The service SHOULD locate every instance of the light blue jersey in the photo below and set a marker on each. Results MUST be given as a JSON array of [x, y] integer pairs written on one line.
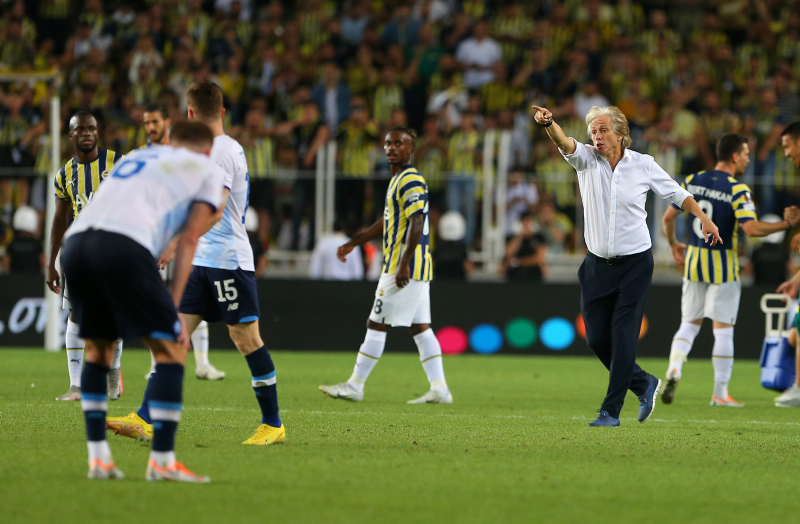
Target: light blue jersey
[[227, 246], [148, 194]]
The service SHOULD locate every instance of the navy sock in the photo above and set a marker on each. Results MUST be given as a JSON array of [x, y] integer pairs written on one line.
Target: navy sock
[[265, 385], [94, 400], [165, 404], [144, 410]]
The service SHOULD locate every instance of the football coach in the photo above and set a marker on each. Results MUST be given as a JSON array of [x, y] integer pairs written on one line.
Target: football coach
[[618, 267]]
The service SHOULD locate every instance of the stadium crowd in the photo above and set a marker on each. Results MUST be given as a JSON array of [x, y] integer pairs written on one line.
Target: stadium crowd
[[299, 74]]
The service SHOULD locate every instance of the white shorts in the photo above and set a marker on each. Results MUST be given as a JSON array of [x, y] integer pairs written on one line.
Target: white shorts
[[718, 302], [394, 306]]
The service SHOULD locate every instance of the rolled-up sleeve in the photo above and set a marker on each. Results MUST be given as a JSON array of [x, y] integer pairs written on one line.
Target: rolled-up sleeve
[[665, 186], [580, 158]]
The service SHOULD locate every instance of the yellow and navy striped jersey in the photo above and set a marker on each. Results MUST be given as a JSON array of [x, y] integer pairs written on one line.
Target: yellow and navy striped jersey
[[407, 195], [77, 181], [728, 203]]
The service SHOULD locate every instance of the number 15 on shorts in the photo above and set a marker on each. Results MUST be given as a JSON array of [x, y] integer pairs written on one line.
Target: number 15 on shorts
[[225, 290]]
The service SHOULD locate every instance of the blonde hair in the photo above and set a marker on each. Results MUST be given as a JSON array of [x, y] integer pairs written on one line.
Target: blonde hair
[[618, 122]]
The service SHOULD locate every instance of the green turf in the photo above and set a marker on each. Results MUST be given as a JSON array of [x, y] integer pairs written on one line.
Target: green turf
[[514, 447]]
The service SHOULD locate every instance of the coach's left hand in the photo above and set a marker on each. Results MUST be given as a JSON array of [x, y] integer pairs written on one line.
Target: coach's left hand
[[402, 276]]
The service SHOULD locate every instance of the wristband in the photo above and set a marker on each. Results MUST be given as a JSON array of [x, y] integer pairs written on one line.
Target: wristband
[[548, 124]]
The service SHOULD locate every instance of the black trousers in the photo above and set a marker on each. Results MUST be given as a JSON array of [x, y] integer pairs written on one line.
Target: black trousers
[[613, 294]]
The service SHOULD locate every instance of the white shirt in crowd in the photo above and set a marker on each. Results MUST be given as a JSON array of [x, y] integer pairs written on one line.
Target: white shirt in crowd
[[584, 103], [485, 53], [148, 194], [613, 201], [325, 265], [520, 198]]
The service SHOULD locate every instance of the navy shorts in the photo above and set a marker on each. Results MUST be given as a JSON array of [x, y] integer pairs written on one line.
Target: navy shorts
[[221, 294], [115, 288]]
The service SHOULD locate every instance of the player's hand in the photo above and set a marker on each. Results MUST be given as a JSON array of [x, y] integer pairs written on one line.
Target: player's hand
[[678, 252], [402, 276], [710, 228], [343, 251], [542, 115], [791, 214], [53, 280], [795, 245], [789, 287], [167, 256], [183, 337]]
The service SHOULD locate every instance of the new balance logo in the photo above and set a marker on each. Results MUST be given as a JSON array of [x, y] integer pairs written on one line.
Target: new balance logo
[[233, 307]]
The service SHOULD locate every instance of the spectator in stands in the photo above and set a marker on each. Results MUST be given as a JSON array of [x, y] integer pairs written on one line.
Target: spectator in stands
[[477, 55], [464, 149], [25, 254], [430, 157], [554, 227], [402, 29], [15, 122], [251, 224], [388, 96], [326, 266], [525, 253], [358, 139], [521, 198], [450, 259], [332, 96]]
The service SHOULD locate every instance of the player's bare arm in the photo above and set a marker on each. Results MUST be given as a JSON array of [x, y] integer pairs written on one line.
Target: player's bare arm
[[755, 228], [668, 223], [169, 253], [709, 228], [416, 224], [57, 229], [374, 231], [199, 215], [544, 117]]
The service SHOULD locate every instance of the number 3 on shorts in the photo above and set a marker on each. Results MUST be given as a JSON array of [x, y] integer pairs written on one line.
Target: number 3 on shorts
[[229, 293], [378, 306]]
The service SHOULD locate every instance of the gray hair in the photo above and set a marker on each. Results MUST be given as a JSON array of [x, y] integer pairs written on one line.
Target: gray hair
[[618, 122]]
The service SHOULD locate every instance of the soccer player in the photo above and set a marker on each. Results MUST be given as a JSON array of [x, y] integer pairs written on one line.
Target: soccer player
[[110, 261], [790, 140], [75, 185], [403, 294], [711, 285], [157, 123]]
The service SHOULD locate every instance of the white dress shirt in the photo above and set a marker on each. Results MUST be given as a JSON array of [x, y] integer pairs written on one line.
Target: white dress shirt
[[613, 201]]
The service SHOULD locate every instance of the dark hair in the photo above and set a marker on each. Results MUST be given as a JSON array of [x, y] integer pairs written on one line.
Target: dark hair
[[161, 108], [205, 99], [792, 130], [408, 131], [729, 145], [191, 132], [80, 114]]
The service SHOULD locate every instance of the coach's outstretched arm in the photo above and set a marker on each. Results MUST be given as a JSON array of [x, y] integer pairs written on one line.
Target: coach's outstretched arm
[[544, 118], [374, 231], [199, 215], [57, 229]]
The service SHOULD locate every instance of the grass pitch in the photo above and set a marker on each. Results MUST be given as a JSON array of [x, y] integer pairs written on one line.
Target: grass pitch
[[514, 447]]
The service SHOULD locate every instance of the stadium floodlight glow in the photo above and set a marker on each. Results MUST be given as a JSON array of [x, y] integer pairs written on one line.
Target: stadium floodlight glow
[[52, 331]]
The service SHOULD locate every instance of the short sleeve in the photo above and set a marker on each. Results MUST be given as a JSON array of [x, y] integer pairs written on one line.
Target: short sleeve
[[210, 190], [580, 158], [665, 186], [59, 186], [413, 194], [231, 163], [742, 203]]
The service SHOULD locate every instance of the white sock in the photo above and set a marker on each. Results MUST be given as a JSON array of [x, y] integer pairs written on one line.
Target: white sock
[[722, 358], [430, 354], [99, 450], [368, 355], [74, 345], [116, 360], [163, 459], [200, 344], [681, 346]]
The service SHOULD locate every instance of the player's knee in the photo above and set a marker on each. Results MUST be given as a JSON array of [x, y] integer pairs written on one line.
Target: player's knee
[[375, 326], [416, 329], [246, 337]]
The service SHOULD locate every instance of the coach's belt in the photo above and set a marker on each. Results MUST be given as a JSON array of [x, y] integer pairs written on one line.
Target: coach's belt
[[613, 261]]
